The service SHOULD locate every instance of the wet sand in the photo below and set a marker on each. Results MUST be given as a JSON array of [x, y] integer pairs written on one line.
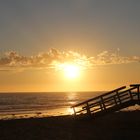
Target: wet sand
[[117, 126]]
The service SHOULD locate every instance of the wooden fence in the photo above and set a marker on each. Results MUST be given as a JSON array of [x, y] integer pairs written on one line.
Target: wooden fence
[[109, 102]]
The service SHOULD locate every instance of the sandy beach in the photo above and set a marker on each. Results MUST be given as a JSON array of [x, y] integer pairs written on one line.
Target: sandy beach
[[117, 126]]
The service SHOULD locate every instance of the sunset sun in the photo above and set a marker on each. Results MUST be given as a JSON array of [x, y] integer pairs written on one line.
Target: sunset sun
[[71, 71]]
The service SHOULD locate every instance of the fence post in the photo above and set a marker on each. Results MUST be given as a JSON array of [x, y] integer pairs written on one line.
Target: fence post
[[88, 109], [115, 99], [138, 90], [130, 95], [102, 101], [118, 97], [101, 106], [74, 111]]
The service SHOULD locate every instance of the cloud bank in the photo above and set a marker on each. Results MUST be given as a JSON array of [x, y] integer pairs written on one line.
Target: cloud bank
[[49, 60]]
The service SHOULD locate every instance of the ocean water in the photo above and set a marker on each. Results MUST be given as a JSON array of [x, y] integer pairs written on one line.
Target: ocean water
[[24, 105]]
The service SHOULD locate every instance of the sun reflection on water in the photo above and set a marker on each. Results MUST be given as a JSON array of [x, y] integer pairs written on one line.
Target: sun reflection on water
[[70, 111]]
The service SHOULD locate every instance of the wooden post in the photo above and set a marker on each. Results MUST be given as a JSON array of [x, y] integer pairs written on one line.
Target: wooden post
[[115, 100], [130, 95], [88, 109], [138, 90], [101, 106], [102, 101], [118, 97], [74, 112]]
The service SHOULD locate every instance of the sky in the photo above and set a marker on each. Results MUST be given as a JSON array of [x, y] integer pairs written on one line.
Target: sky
[[40, 38]]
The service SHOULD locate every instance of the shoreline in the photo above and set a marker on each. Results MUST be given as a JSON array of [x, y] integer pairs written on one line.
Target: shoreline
[[48, 113], [35, 114]]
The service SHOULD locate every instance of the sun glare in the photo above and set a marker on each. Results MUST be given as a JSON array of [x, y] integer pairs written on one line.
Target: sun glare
[[71, 71]]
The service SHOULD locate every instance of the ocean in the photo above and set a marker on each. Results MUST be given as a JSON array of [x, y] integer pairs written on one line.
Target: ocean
[[25, 105]]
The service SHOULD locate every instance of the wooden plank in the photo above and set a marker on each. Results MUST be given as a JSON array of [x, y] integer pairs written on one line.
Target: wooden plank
[[110, 104], [80, 111], [74, 111], [123, 87], [109, 101], [88, 110], [92, 105], [138, 89], [127, 90], [118, 97], [95, 98], [130, 93], [123, 95], [115, 100], [102, 102], [101, 107], [125, 99], [133, 85], [96, 109]]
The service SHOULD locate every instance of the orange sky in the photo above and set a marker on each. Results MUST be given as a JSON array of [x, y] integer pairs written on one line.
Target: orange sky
[[99, 73], [39, 38]]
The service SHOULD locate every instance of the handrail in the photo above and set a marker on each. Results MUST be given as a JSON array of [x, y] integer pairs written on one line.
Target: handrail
[[118, 89], [134, 85], [128, 90], [107, 100]]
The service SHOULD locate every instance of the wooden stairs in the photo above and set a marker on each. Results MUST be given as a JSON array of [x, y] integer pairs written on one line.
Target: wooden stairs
[[108, 102]]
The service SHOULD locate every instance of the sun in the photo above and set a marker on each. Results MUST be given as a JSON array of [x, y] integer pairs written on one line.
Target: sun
[[71, 71]]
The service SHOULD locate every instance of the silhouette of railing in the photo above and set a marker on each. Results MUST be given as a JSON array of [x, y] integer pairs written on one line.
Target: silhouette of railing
[[109, 102]]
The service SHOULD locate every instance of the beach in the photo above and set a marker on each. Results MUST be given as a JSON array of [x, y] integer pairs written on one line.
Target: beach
[[69, 69], [116, 126]]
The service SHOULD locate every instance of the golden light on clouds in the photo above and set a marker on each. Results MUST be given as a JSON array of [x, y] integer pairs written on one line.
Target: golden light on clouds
[[49, 60]]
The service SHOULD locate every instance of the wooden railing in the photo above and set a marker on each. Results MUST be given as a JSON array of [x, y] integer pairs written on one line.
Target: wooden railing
[[108, 101], [138, 89]]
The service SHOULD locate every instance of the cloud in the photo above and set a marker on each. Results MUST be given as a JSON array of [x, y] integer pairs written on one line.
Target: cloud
[[49, 60], [108, 58]]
